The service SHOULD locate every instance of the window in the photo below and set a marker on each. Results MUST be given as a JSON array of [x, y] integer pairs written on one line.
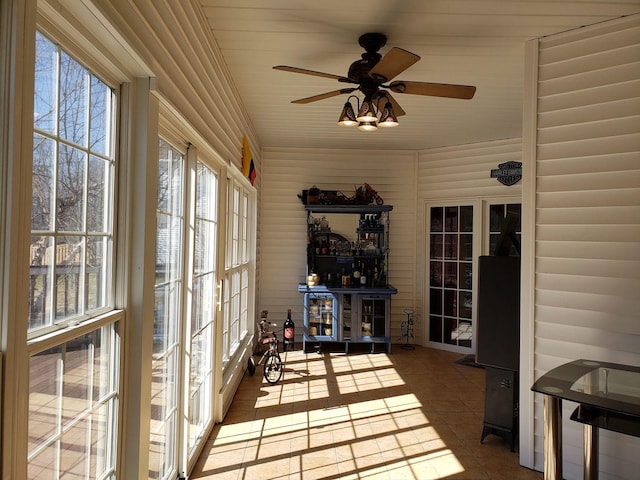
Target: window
[[505, 226], [72, 199], [73, 396], [73, 408], [239, 268]]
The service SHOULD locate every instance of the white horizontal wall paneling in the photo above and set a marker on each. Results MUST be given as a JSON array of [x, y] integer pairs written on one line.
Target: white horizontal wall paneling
[[286, 173], [172, 38], [588, 216], [465, 170]]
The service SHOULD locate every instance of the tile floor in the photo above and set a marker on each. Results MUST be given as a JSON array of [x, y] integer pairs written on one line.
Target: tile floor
[[412, 414]]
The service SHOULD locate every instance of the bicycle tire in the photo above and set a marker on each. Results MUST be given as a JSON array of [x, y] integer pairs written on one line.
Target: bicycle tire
[[251, 366], [273, 369]]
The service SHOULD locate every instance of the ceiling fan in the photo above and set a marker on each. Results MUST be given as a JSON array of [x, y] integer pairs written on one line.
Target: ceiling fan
[[371, 73]]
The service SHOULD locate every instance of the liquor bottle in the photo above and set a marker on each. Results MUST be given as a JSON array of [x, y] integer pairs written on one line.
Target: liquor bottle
[[376, 280], [289, 332], [363, 277]]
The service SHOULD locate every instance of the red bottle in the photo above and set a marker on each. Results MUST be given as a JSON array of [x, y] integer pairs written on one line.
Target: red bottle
[[289, 331]]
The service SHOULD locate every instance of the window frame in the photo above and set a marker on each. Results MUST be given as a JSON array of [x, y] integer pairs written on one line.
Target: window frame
[[239, 260], [75, 328], [110, 201]]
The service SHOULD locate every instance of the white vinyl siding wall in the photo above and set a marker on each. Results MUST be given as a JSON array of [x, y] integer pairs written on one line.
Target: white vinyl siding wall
[[587, 219], [283, 224]]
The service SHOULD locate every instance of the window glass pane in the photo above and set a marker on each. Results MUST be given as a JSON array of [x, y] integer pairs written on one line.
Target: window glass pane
[[170, 178], [97, 212], [235, 227], [466, 219], [45, 396], [45, 108], [68, 286], [74, 111], [466, 246], [436, 247], [41, 281], [72, 408], [101, 119], [466, 276], [70, 189], [71, 221], [451, 219], [514, 209], [436, 274], [42, 183], [505, 227], [451, 246], [496, 214], [245, 227], [200, 401], [437, 219], [96, 273]]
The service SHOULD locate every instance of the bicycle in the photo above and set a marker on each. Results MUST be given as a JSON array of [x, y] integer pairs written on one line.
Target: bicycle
[[273, 366]]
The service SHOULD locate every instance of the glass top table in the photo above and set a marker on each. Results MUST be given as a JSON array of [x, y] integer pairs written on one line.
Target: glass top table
[[608, 395]]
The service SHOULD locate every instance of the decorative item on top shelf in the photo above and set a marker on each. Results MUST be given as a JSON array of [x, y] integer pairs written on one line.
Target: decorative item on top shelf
[[363, 195]]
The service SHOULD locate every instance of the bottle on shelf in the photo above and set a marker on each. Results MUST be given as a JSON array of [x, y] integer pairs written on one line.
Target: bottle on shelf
[[289, 332]]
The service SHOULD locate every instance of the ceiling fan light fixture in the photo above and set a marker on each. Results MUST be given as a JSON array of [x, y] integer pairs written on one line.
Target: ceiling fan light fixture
[[367, 126], [367, 112], [348, 116], [388, 117]]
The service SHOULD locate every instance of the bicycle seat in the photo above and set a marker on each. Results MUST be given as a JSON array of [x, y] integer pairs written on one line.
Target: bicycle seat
[[268, 340]]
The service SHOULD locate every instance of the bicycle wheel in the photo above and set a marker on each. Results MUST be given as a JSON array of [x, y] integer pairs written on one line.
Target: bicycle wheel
[[251, 366], [273, 368]]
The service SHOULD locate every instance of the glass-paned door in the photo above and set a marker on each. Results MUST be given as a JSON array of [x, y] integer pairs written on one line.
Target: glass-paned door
[[346, 305], [203, 307], [185, 311], [450, 254], [169, 286], [374, 315], [321, 310]]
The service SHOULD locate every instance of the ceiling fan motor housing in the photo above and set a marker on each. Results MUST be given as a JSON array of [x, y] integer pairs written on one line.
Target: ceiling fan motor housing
[[359, 70]]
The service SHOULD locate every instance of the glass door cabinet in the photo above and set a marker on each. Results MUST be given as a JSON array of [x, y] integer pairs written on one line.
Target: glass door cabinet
[[321, 310]]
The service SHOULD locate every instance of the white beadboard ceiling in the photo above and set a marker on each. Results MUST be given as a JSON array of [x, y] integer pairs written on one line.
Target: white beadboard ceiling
[[476, 42]]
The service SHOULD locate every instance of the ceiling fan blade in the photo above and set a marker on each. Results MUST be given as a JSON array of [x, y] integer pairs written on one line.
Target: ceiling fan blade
[[304, 71], [396, 61], [464, 92], [396, 106], [322, 96]]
